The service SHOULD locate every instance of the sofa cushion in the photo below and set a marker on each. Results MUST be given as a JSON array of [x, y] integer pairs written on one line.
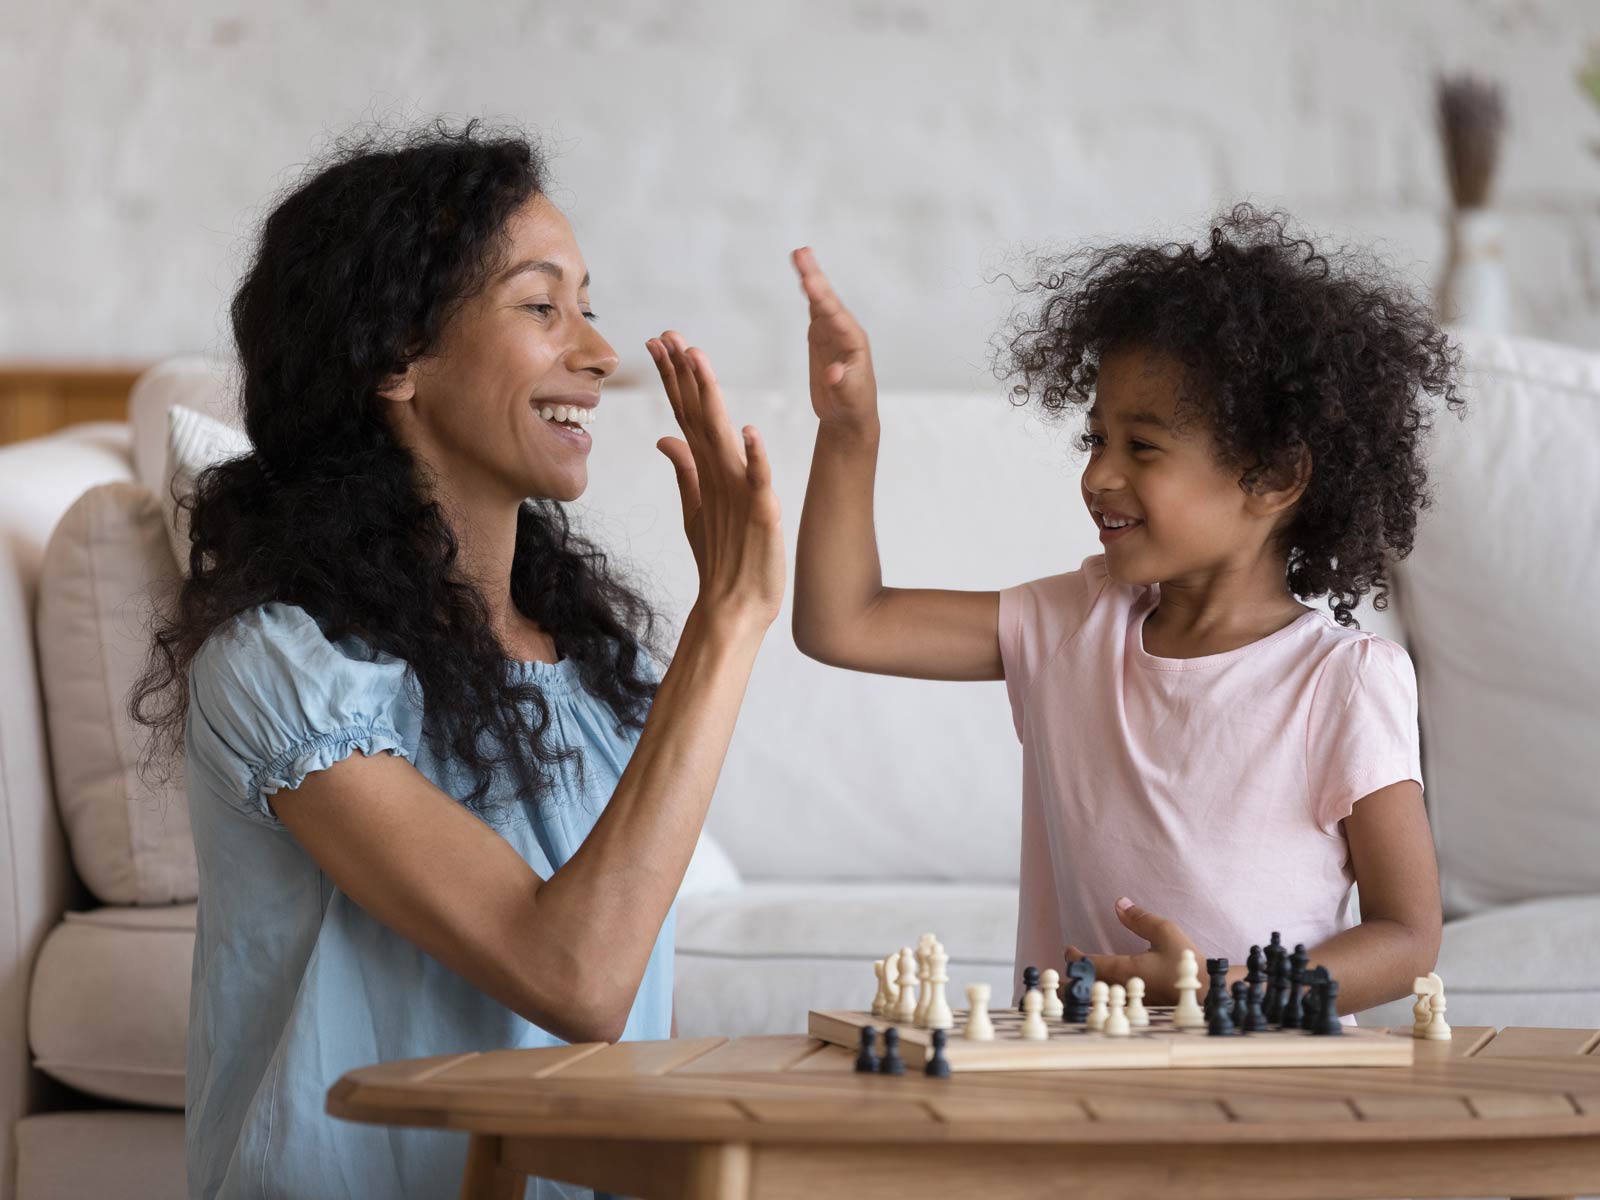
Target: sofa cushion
[[108, 1011], [73, 1155], [195, 441], [756, 962], [1507, 655], [192, 381], [108, 563]]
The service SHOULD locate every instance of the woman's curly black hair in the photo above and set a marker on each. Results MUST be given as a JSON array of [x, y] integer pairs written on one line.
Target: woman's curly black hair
[[358, 269], [1285, 350]]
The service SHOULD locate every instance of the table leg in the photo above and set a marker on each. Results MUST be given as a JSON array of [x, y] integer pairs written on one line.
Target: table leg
[[485, 1178], [652, 1170]]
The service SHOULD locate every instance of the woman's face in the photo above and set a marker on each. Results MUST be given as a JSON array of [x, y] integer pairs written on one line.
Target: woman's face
[[520, 352]]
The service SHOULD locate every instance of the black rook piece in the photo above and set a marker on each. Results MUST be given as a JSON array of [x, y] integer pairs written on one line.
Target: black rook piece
[[867, 1060], [938, 1066], [1219, 1023], [891, 1063]]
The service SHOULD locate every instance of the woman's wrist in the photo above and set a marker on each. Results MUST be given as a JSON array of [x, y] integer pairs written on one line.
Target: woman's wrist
[[725, 623]]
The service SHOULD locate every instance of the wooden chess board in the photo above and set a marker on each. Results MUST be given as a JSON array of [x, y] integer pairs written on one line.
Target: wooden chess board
[[1160, 1044]]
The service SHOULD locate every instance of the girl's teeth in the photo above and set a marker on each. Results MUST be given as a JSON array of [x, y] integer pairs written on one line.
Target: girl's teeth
[[547, 412]]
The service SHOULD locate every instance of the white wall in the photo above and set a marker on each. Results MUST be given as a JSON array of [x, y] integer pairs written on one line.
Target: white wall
[[916, 144]]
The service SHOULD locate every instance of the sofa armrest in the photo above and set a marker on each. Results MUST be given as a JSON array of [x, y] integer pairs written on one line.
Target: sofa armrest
[[39, 480]]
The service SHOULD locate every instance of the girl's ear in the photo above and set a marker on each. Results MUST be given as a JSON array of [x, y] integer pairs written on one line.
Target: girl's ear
[[1281, 489]]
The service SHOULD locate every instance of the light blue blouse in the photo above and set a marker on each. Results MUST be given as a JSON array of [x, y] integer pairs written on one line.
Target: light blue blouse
[[293, 983]]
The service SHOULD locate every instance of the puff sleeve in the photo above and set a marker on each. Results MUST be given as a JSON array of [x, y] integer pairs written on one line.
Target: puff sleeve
[[1363, 731]]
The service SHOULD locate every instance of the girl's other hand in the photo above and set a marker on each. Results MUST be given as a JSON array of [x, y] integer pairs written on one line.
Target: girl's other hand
[[843, 389], [1157, 966], [730, 511]]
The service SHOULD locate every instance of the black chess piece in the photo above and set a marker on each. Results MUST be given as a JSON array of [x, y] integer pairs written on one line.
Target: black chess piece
[[1205, 1005], [867, 1060], [1240, 1005], [1030, 980], [1293, 1015], [1316, 999], [1255, 1021], [1328, 1023], [1079, 992], [1255, 966], [1219, 1022], [1277, 975], [1217, 993], [891, 1063], [938, 1067]]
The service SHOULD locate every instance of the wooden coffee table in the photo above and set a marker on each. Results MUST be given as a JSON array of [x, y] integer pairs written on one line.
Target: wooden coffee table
[[1515, 1113]]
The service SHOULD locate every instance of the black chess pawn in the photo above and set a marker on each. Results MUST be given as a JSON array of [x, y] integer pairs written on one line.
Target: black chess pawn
[[938, 1066], [1255, 966], [867, 1060], [1240, 1006], [1328, 1023], [1255, 1021], [1277, 975], [1205, 1005], [1078, 992], [1316, 998], [1030, 980], [1290, 1013], [891, 1063]]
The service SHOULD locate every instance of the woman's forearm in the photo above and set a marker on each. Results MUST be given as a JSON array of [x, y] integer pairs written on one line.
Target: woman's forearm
[[838, 575], [604, 908]]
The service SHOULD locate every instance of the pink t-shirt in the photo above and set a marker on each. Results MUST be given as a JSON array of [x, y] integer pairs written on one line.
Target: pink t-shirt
[[1209, 790]]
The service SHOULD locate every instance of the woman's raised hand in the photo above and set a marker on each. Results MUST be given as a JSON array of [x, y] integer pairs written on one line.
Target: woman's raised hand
[[730, 512], [843, 389]]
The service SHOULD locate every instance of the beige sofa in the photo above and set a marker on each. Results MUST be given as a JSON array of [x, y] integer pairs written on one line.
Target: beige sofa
[[856, 812]]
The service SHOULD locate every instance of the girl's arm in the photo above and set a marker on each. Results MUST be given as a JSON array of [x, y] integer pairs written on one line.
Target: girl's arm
[[568, 952], [843, 614], [1398, 938]]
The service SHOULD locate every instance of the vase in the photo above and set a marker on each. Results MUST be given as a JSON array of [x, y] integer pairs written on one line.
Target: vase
[[1473, 292]]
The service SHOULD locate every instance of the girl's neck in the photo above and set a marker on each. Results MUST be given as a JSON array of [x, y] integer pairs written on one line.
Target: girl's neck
[[1219, 612]]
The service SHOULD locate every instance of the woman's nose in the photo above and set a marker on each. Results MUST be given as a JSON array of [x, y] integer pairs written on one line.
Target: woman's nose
[[593, 353]]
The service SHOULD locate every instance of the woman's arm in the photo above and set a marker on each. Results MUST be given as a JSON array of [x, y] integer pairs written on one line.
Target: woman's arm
[[843, 615], [568, 953], [1398, 877]]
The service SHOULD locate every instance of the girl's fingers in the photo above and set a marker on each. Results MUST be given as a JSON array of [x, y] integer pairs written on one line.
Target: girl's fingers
[[824, 302]]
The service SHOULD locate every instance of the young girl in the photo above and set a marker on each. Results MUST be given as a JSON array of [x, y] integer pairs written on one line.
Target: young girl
[[1206, 759]]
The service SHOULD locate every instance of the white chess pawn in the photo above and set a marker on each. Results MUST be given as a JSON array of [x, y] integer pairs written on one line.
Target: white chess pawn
[[1050, 985], [1098, 995], [936, 1013], [1116, 1022], [979, 1027], [1138, 1015], [879, 998], [1033, 1027], [891, 988], [1188, 1014], [905, 1008]]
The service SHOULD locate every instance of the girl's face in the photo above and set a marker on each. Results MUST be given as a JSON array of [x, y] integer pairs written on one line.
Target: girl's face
[[524, 345], [1166, 507]]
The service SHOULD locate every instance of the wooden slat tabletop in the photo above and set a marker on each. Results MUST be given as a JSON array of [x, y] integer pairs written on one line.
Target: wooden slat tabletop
[[1516, 1083]]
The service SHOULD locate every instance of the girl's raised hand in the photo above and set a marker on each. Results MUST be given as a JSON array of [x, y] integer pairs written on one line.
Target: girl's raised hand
[[1157, 966], [730, 512], [842, 385]]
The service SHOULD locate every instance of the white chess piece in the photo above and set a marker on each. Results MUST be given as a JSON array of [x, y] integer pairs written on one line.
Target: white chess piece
[[925, 946], [1421, 1011], [891, 988], [1033, 1027], [1138, 1015], [936, 1013], [1188, 1014], [1116, 1021], [1050, 985], [905, 1008], [879, 998], [1098, 995], [1438, 1029], [979, 1027]]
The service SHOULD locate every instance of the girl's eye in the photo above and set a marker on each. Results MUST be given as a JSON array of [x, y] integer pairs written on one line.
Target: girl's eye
[[1090, 441], [1138, 446]]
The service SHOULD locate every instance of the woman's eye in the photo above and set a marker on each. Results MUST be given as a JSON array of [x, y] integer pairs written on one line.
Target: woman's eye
[[543, 310], [590, 315]]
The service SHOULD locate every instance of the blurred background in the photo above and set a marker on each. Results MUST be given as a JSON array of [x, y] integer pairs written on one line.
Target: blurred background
[[922, 148]]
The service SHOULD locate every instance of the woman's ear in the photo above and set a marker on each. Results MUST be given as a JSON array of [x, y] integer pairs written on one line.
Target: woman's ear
[[401, 386]]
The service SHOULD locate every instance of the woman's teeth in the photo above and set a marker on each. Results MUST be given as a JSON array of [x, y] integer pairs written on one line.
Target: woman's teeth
[[1117, 522], [564, 414]]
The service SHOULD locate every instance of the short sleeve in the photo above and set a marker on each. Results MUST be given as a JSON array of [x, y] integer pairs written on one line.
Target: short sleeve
[[1035, 619], [1363, 728], [271, 700]]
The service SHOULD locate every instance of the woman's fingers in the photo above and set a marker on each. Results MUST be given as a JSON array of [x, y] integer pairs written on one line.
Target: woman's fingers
[[714, 413], [682, 459], [661, 355], [758, 467]]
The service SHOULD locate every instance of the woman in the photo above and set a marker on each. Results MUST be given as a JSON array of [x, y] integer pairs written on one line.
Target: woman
[[441, 800]]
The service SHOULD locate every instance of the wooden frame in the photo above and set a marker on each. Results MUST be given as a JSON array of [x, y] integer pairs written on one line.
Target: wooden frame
[[40, 398]]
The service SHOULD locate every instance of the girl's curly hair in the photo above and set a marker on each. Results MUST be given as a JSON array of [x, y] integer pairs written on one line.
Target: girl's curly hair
[[1285, 350], [358, 270]]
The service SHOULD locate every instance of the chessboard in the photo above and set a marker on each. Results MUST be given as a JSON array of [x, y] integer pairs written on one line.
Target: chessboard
[[1159, 1044]]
